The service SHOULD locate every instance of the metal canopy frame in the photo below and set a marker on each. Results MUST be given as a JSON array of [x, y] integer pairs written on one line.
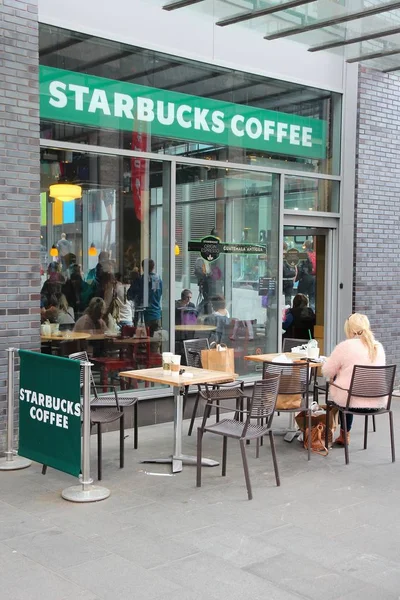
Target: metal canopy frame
[[180, 4], [392, 69], [360, 14], [262, 12], [360, 38], [372, 55]]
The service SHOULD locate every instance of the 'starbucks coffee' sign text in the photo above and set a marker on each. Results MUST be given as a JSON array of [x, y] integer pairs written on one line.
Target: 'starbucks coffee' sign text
[[50, 411], [107, 103]]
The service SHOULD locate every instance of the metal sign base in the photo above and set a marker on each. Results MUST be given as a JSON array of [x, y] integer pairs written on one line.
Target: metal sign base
[[94, 493], [17, 462]]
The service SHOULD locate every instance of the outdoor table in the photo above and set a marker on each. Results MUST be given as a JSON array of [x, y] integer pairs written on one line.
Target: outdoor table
[[296, 358], [178, 382]]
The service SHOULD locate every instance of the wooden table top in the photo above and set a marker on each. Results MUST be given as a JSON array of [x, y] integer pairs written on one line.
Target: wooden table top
[[195, 327], [199, 376], [294, 356], [64, 335]]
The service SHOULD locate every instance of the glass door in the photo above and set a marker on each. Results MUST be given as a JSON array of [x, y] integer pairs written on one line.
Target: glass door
[[227, 256], [306, 281]]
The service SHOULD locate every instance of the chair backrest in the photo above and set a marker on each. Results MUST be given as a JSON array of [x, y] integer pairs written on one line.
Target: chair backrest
[[372, 382], [263, 400], [294, 376], [82, 356], [193, 350], [289, 343]]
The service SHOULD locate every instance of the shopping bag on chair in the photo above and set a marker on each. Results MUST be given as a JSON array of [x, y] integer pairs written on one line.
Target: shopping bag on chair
[[219, 358], [287, 401]]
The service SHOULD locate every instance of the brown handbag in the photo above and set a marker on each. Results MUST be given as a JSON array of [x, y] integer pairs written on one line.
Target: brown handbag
[[317, 439]]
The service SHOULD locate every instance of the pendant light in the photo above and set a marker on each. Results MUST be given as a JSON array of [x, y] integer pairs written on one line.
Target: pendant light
[[65, 191], [92, 250]]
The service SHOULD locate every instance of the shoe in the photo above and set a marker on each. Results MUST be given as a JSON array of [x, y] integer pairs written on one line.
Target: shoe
[[340, 439]]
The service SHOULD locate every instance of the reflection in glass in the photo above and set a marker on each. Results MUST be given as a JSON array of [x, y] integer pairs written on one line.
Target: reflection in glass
[[233, 293], [106, 289]]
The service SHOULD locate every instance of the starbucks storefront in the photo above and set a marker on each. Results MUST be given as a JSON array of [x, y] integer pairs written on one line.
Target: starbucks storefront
[[204, 170]]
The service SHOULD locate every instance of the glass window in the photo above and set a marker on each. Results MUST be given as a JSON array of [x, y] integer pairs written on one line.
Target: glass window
[[105, 259], [231, 276], [311, 194], [294, 104]]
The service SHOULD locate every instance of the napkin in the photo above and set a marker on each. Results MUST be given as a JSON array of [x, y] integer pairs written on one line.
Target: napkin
[[282, 358]]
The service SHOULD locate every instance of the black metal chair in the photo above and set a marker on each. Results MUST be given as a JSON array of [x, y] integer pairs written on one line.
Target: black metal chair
[[289, 343], [294, 382], [366, 382], [108, 408], [261, 407], [226, 391]]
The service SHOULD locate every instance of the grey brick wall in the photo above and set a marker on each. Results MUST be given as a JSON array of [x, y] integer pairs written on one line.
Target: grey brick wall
[[377, 216], [19, 184]]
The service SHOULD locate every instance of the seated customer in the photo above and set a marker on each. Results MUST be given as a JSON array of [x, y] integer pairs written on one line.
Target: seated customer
[[66, 316], [220, 316], [299, 320], [185, 311], [92, 320], [360, 348]]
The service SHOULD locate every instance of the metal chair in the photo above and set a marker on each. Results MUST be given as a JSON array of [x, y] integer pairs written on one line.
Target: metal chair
[[261, 407], [289, 343], [108, 408], [294, 382], [367, 382], [228, 391]]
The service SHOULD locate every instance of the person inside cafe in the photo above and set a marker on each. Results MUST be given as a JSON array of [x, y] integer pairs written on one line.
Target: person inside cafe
[[220, 316], [53, 284], [77, 291], [185, 310], [92, 321], [360, 348], [125, 306], [288, 276], [299, 320], [66, 315]]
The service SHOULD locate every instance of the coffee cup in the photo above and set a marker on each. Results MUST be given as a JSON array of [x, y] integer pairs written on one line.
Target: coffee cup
[[312, 352], [166, 362], [175, 364]]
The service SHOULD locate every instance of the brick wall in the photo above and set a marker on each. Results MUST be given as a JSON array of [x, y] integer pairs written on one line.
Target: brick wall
[[377, 217], [19, 184]]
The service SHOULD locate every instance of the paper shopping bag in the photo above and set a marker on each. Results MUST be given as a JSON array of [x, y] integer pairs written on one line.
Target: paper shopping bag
[[217, 360]]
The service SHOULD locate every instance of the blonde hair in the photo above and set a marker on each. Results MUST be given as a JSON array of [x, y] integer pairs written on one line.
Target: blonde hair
[[357, 325]]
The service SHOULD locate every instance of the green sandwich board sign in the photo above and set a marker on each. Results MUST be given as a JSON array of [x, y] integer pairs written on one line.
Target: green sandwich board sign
[[107, 103], [50, 411]]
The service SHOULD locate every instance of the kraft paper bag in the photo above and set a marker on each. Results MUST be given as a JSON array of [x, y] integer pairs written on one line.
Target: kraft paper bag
[[216, 360]]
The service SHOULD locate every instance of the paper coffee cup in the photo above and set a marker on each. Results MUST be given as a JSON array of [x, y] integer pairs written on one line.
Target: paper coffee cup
[[312, 352]]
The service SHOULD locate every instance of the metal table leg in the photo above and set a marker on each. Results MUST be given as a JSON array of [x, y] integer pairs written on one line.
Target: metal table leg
[[178, 459]]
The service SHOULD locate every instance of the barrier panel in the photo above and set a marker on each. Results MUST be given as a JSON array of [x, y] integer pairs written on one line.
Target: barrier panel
[[51, 416]]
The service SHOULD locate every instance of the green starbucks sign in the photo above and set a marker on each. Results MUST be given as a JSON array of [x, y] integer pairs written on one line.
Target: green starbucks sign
[[50, 411], [108, 103]]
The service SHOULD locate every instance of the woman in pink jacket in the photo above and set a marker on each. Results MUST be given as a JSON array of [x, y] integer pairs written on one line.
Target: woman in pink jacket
[[360, 348]]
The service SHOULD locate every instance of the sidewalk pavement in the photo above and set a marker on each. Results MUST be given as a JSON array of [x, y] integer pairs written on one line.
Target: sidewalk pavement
[[330, 531]]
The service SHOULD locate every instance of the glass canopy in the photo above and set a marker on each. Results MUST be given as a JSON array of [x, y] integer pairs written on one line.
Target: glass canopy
[[365, 31]]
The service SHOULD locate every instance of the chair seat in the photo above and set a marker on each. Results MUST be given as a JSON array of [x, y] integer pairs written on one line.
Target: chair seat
[[234, 429], [359, 411], [109, 400], [224, 394], [105, 416]]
